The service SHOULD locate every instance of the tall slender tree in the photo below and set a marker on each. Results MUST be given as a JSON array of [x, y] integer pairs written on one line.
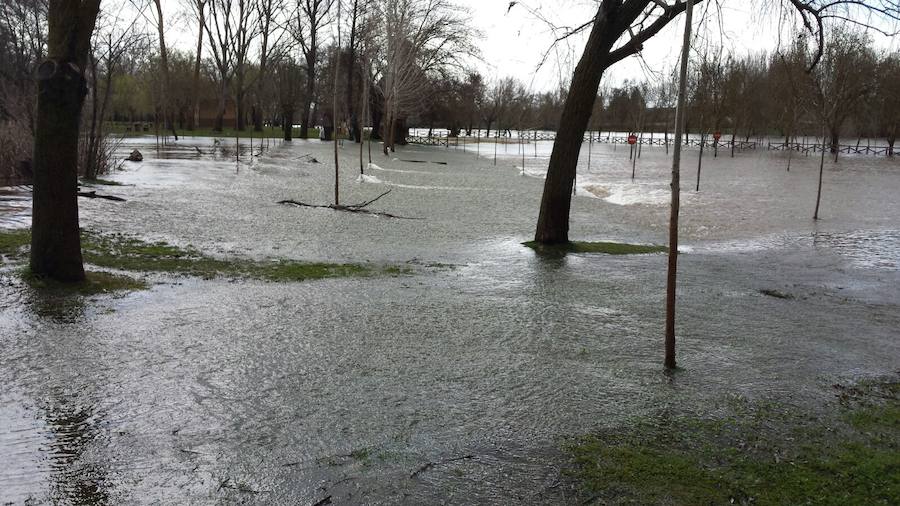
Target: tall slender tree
[[672, 267]]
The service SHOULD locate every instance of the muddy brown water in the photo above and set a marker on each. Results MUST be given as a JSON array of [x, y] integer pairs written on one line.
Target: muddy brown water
[[481, 362]]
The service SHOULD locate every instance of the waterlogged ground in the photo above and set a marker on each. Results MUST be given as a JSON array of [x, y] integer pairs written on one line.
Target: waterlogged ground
[[458, 382]]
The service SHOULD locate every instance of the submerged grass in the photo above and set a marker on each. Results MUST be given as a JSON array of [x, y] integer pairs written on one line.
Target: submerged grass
[[609, 248], [95, 283], [100, 182], [115, 251], [757, 454], [13, 242]]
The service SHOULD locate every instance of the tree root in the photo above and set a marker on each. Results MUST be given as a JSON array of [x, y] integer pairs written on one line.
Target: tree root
[[429, 465]]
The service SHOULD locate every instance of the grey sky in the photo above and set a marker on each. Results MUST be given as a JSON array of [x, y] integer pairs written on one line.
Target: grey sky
[[513, 44]]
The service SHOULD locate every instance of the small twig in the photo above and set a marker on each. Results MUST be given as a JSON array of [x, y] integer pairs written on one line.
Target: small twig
[[429, 465], [323, 502], [364, 204]]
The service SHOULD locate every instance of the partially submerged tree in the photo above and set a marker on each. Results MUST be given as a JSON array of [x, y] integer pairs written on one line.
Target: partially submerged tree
[[618, 30], [887, 106], [55, 237]]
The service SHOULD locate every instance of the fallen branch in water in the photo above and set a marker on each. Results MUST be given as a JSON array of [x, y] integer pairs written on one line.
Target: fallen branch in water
[[307, 158], [95, 195], [323, 502], [350, 208], [429, 465], [423, 161]]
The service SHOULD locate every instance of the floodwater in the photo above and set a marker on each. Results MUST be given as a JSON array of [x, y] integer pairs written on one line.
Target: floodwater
[[480, 362]]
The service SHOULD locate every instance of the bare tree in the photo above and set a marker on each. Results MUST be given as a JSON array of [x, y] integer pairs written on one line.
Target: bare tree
[[199, 7], [267, 10], [672, 267], [310, 18], [168, 124], [842, 80], [110, 45], [220, 28], [420, 38], [246, 29]]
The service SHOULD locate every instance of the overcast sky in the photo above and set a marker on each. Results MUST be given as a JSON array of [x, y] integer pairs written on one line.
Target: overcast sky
[[514, 43]]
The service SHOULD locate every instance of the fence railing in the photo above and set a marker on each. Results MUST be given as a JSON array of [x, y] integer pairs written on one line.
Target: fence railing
[[529, 136]]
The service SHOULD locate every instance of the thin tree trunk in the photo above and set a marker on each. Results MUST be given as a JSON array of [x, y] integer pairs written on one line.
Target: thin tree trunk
[[821, 171], [334, 107], [287, 124], [672, 268], [195, 82], [700, 159], [91, 154], [168, 124]]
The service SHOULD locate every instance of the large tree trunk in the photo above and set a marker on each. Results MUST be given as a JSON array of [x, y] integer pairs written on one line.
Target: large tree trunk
[[553, 221], [55, 237]]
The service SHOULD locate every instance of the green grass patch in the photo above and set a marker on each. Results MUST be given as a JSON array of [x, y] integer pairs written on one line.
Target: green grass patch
[[753, 454], [121, 252], [131, 254], [13, 242], [95, 283], [609, 248]]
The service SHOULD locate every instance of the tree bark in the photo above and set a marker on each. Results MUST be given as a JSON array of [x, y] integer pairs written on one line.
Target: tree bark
[[55, 235], [672, 267], [553, 220]]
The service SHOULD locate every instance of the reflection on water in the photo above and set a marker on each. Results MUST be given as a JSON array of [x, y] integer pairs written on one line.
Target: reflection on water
[[15, 208], [878, 249], [77, 478]]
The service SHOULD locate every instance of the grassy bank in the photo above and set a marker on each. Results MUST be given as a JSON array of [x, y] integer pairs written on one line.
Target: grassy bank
[[609, 248], [127, 253], [756, 453]]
